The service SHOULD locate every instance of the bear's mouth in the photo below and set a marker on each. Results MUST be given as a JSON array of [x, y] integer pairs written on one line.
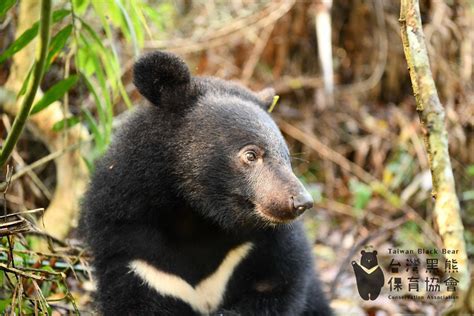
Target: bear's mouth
[[268, 216]]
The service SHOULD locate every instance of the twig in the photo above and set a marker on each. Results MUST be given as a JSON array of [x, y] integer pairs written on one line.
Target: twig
[[19, 160], [20, 120], [36, 210], [325, 151], [47, 158], [16, 271], [271, 13], [252, 62]]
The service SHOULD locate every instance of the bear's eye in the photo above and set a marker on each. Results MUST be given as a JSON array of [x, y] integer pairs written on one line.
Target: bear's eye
[[250, 156]]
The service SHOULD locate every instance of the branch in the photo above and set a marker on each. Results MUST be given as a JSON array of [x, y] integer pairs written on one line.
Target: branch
[[446, 211], [20, 120]]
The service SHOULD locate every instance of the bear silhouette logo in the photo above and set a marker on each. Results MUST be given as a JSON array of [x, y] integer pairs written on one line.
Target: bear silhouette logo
[[369, 275]]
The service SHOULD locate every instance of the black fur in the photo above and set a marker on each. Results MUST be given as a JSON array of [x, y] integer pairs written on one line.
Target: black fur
[[171, 191]]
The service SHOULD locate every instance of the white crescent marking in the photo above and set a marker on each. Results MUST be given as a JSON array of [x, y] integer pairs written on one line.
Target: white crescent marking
[[207, 295], [368, 271]]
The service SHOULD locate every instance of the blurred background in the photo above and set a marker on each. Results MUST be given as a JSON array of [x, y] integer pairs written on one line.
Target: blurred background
[[346, 109]]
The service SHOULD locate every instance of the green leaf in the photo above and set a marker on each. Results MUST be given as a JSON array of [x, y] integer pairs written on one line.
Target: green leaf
[[128, 26], [54, 93], [66, 123], [80, 6], [57, 43], [58, 15], [99, 141], [5, 5], [91, 32], [274, 102], [361, 193], [26, 81], [5, 303], [21, 42], [161, 15], [98, 102], [470, 170], [89, 164], [28, 35], [139, 21]]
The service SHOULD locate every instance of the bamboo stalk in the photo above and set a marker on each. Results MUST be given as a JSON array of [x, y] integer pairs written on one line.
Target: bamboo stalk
[[20, 120]]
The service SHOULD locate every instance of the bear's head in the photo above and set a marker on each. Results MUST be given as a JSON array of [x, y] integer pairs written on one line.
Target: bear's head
[[369, 259], [229, 158]]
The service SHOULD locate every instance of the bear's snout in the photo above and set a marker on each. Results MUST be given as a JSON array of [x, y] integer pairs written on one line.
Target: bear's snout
[[301, 202], [281, 197]]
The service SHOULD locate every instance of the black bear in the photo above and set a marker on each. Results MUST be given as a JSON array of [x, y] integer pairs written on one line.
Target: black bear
[[191, 209], [369, 275]]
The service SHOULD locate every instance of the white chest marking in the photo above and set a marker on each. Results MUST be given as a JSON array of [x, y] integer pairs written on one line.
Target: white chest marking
[[207, 295], [368, 271]]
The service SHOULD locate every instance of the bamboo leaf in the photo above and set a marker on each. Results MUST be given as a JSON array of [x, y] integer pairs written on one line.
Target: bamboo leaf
[[90, 166], [58, 15], [128, 25], [99, 140], [5, 5], [27, 36], [26, 81], [54, 93], [80, 6], [66, 123], [21, 42], [91, 32], [57, 43], [98, 103]]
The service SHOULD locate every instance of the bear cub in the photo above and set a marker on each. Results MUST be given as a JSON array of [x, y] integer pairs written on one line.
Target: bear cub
[[191, 211]]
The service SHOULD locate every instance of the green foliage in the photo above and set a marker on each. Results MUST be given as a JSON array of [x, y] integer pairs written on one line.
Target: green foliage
[[92, 44], [361, 194], [57, 44], [98, 65], [80, 6], [26, 82], [66, 123], [5, 5], [316, 192], [20, 43], [54, 93], [161, 15], [399, 170], [410, 236], [27, 36], [53, 286], [470, 170]]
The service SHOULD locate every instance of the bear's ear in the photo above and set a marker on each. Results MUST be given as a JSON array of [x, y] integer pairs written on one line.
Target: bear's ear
[[161, 77], [375, 252], [362, 252], [266, 97]]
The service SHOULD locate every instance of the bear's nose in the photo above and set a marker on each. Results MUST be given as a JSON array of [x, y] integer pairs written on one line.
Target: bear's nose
[[302, 202]]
